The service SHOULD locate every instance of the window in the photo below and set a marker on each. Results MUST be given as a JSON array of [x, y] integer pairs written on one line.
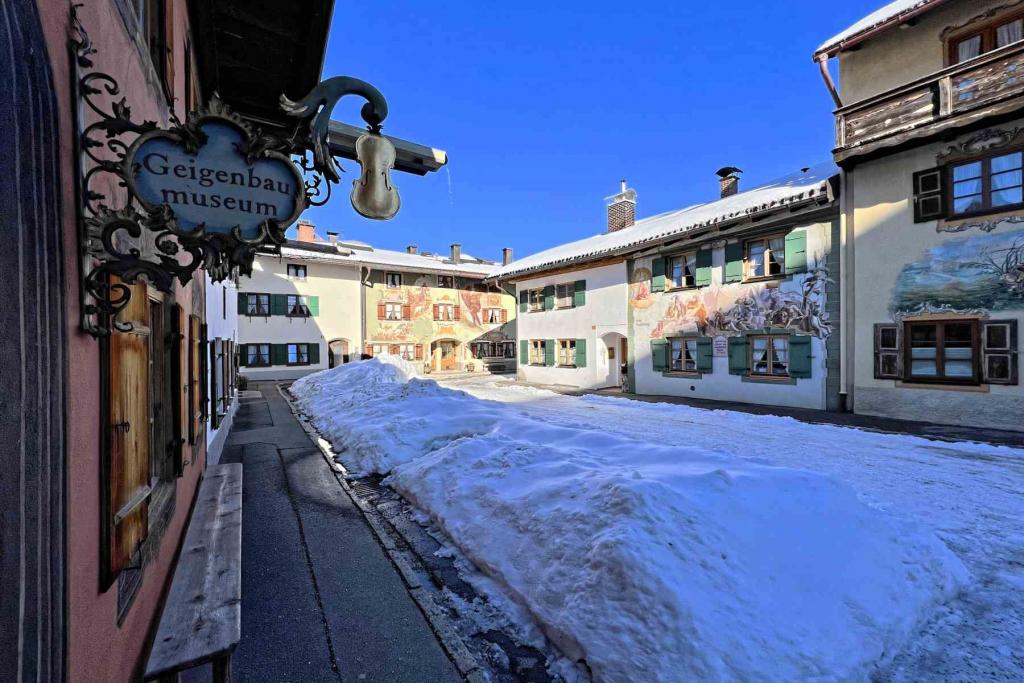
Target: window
[[257, 304], [999, 345], [392, 311], [887, 352], [566, 352], [989, 184], [298, 354], [494, 316], [769, 356], [683, 354], [487, 349], [393, 280], [378, 349], [537, 352], [536, 300], [298, 306], [766, 257], [942, 351], [446, 281], [682, 270], [159, 41], [564, 295], [257, 355], [296, 271], [510, 349], [995, 35], [445, 312]]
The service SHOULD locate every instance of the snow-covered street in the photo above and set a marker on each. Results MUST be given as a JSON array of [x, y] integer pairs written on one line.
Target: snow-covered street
[[659, 541]]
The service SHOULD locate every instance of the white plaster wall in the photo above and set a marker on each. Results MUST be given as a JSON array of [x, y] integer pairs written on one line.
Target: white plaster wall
[[221, 323], [604, 312], [340, 315]]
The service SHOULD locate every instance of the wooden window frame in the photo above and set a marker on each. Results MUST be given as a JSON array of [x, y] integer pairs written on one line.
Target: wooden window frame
[[298, 361], [258, 296], [940, 355], [388, 307], [535, 300], [492, 309], [670, 362], [537, 349], [442, 279], [297, 267], [445, 312], [747, 276], [1009, 352], [566, 347], [301, 304], [670, 283], [387, 279], [771, 347], [986, 183], [570, 288], [249, 363], [987, 31]]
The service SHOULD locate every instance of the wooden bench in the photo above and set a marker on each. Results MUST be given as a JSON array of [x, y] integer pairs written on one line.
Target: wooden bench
[[202, 619]]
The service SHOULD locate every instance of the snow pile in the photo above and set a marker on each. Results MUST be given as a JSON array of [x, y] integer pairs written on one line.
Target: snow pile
[[649, 562]]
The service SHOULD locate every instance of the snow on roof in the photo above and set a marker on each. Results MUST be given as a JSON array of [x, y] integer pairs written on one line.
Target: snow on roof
[[384, 257], [891, 13], [772, 195]]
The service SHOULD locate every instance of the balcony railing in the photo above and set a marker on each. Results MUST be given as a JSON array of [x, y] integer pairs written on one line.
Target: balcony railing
[[956, 96]]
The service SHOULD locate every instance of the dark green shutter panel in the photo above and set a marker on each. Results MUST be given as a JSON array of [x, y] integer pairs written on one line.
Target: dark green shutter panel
[[524, 352], [549, 297], [703, 267], [243, 303], [580, 293], [243, 355], [658, 275], [705, 355], [734, 262], [314, 353], [737, 355], [314, 305], [659, 354], [278, 304], [279, 354], [581, 353], [524, 301], [549, 352], [800, 356], [796, 252]]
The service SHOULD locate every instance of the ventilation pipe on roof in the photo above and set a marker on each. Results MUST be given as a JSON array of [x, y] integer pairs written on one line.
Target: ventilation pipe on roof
[[456, 253], [332, 237], [621, 208], [506, 256], [411, 249]]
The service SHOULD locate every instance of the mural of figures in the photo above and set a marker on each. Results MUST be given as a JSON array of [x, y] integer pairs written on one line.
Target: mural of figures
[[640, 289], [983, 272]]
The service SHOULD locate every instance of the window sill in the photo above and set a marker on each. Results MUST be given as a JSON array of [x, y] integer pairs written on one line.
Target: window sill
[[765, 279], [682, 374], [684, 289], [567, 367], [769, 379], [942, 386]]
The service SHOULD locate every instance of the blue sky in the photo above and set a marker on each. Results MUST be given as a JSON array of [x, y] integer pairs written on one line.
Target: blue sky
[[543, 107]]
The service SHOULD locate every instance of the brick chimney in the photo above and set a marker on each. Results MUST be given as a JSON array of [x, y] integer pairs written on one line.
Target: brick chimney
[[456, 253], [307, 231], [332, 237], [506, 256], [411, 249], [621, 208], [728, 181]]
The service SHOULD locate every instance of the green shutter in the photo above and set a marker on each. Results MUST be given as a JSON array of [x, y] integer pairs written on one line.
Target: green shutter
[[799, 356], [734, 262], [659, 354], [243, 354], [703, 267], [314, 353], [524, 352], [581, 353], [658, 274], [549, 297], [737, 355], [279, 354], [314, 305], [278, 304], [705, 355], [549, 352], [524, 300], [796, 252], [243, 303], [580, 294]]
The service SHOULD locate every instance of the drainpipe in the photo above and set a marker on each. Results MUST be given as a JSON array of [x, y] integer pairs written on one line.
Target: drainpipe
[[846, 229], [829, 83]]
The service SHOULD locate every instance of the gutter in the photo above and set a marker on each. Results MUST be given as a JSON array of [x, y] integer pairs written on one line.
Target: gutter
[[854, 40]]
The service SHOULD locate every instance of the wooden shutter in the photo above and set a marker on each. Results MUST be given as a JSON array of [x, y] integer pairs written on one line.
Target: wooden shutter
[[243, 303], [524, 352], [504, 316], [796, 252], [182, 386], [314, 305], [888, 356], [549, 352], [581, 353], [658, 274], [381, 311], [168, 48], [243, 355], [279, 354], [705, 355], [204, 369], [703, 278], [278, 304], [579, 293], [419, 352], [406, 312], [437, 311], [929, 195], [734, 262], [214, 393], [195, 377], [549, 297], [524, 301], [314, 354], [659, 355], [458, 313], [999, 352], [800, 355], [368, 350], [737, 355], [126, 436]]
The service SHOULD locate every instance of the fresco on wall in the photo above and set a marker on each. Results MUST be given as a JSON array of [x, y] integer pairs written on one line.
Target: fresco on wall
[[796, 305], [983, 272]]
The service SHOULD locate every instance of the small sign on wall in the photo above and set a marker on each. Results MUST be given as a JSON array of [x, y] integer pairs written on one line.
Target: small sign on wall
[[721, 347]]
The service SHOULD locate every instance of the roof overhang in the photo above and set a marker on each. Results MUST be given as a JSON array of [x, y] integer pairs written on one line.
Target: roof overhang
[[887, 23]]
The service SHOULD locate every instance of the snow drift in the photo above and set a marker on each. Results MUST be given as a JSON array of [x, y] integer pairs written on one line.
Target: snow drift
[[650, 562]]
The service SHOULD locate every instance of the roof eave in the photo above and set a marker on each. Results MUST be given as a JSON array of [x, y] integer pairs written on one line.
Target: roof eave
[[833, 49]]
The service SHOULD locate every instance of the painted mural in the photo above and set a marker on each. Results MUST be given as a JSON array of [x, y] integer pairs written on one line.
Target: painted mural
[[982, 272], [796, 305]]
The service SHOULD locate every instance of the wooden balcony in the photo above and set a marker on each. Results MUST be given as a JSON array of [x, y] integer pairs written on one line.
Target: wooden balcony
[[954, 98]]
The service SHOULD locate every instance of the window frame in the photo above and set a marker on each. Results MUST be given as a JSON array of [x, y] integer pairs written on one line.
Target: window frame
[[537, 353], [766, 239], [987, 32], [389, 275], [566, 348], [445, 312], [570, 289], [683, 370], [684, 256], [300, 300], [297, 267], [940, 377], [258, 314], [532, 305], [249, 363], [771, 360], [487, 315], [986, 183], [441, 279]]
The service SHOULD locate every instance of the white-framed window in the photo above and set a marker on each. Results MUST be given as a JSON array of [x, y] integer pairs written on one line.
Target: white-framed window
[[298, 354], [564, 292], [445, 312], [682, 270], [536, 299], [446, 281], [257, 355], [493, 316], [769, 356], [537, 352], [683, 354], [379, 349], [566, 349], [393, 280], [257, 304], [407, 351], [296, 271], [392, 311], [298, 306], [766, 256]]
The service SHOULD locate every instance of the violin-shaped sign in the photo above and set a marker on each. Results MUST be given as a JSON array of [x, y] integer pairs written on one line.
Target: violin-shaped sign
[[373, 195]]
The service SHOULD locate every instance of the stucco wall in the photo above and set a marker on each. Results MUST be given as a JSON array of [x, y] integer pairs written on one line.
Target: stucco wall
[[603, 315]]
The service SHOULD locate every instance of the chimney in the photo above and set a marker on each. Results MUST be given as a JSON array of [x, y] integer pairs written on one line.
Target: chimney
[[307, 231], [332, 237], [621, 208], [456, 253], [728, 181], [411, 249], [506, 256]]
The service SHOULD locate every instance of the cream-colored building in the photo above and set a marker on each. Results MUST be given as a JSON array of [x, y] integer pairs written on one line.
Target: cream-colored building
[[930, 137]]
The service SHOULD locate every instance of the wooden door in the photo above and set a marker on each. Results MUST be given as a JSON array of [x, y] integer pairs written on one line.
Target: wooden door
[[448, 358]]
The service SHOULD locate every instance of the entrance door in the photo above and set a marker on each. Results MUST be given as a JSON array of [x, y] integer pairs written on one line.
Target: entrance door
[[448, 359], [623, 362], [338, 353], [612, 378]]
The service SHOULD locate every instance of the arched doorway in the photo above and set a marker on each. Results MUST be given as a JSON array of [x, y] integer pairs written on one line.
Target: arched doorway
[[445, 355], [614, 359], [337, 352]]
